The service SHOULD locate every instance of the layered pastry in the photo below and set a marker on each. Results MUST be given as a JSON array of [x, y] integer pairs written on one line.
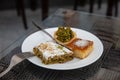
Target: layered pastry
[[50, 52], [64, 35], [81, 48]]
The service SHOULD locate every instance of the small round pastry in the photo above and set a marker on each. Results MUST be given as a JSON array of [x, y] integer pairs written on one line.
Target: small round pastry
[[64, 35]]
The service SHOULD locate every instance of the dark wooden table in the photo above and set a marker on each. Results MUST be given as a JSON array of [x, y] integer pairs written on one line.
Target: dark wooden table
[[106, 68]]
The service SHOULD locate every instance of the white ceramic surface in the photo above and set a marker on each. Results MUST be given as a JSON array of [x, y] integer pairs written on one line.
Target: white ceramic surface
[[39, 37]]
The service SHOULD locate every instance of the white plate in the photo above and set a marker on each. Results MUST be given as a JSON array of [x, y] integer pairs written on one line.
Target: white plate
[[39, 37]]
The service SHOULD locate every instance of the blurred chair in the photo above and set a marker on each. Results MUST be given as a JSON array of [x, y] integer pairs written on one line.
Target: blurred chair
[[110, 4], [91, 4], [99, 4], [21, 9], [33, 4], [45, 9]]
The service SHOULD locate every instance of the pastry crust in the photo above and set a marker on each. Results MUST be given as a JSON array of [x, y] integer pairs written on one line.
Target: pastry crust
[[65, 43], [81, 48], [51, 53]]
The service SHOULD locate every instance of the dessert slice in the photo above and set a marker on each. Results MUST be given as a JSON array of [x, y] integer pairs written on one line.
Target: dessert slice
[[50, 52], [64, 35], [81, 48]]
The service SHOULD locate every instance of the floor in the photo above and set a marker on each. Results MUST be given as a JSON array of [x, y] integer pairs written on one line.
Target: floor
[[11, 26]]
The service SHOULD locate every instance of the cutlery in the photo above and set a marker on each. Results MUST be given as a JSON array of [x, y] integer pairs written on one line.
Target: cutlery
[[17, 58], [40, 28]]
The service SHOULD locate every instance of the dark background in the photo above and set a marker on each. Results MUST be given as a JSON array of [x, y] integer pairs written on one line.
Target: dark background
[[10, 4]]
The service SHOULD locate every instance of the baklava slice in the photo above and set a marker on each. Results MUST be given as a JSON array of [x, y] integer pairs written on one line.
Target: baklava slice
[[50, 53]]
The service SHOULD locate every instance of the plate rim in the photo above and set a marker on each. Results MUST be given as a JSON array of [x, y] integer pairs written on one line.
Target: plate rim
[[63, 63]]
